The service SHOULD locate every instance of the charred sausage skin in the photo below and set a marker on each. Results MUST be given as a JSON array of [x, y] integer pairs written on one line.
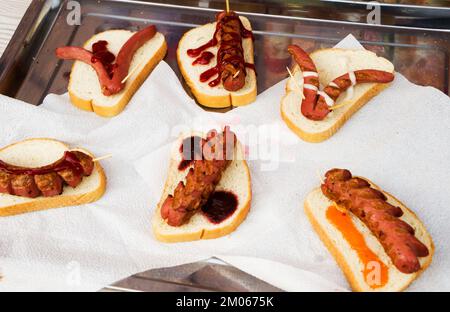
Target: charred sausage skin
[[370, 206], [201, 180]]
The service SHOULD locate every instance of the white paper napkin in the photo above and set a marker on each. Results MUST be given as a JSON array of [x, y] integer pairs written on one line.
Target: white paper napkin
[[400, 140]]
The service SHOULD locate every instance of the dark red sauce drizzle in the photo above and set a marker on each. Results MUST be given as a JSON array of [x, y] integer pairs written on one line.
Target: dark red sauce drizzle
[[103, 55], [220, 206], [216, 70], [204, 58], [191, 149], [68, 161]]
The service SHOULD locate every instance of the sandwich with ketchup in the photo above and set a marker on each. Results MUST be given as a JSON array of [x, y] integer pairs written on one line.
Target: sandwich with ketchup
[[217, 61], [377, 241], [328, 86], [207, 193], [110, 68], [38, 174]]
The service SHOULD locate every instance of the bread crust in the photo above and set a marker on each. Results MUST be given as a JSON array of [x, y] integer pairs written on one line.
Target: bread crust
[[129, 91], [216, 101], [349, 272], [44, 203]]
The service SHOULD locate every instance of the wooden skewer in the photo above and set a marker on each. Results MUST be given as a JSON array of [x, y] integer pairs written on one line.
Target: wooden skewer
[[227, 3], [295, 81], [319, 176], [338, 106], [236, 74], [131, 72], [102, 158]]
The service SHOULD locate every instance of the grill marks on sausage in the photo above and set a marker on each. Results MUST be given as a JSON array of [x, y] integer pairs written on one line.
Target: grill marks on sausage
[[314, 106], [231, 66], [47, 180], [189, 197], [370, 206]]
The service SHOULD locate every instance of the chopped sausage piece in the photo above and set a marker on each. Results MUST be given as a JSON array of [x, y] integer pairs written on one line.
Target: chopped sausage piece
[[49, 184], [86, 162], [24, 185]]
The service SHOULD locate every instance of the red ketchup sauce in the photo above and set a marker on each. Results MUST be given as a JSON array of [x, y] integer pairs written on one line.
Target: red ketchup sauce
[[103, 55], [220, 206], [205, 59], [191, 149], [68, 161]]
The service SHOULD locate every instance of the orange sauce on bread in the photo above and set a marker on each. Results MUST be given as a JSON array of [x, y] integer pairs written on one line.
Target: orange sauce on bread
[[375, 271]]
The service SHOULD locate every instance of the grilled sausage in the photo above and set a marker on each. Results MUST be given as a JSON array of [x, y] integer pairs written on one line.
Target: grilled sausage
[[309, 107], [201, 179], [49, 184], [24, 185], [342, 83], [231, 53], [47, 180], [110, 85], [86, 162], [72, 177], [370, 206], [314, 106], [5, 183]]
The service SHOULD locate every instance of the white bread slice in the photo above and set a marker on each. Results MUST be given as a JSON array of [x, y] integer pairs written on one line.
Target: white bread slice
[[316, 205], [40, 152], [332, 63], [236, 179], [215, 97], [84, 86]]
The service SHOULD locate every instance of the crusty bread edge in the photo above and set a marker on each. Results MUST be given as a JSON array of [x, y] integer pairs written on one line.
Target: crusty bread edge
[[337, 255], [204, 234], [45, 203], [326, 134], [111, 111], [219, 101]]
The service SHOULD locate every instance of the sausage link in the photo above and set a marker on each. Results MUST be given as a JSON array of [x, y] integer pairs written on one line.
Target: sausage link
[[49, 184], [86, 162], [230, 55], [201, 179], [370, 206], [24, 185], [314, 106], [344, 82], [5, 183], [109, 85], [309, 107]]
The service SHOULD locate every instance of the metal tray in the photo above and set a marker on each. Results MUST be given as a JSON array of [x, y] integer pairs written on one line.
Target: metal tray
[[29, 70]]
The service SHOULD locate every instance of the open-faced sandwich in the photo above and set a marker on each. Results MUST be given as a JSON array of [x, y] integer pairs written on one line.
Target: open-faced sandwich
[[111, 66], [207, 193], [377, 241], [39, 174], [217, 62], [328, 87]]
